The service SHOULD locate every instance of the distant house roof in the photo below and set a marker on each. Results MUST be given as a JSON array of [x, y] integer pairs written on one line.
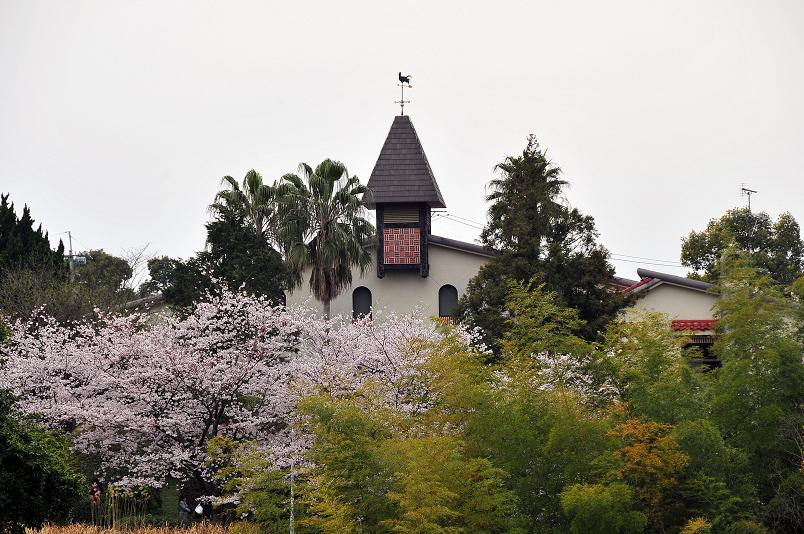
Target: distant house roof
[[145, 302], [622, 283], [461, 245], [649, 279], [402, 173]]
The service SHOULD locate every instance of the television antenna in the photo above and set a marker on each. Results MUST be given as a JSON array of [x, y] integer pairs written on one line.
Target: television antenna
[[744, 191]]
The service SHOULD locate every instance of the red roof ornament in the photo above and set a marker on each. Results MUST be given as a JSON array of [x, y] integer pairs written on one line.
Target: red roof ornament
[[693, 324]]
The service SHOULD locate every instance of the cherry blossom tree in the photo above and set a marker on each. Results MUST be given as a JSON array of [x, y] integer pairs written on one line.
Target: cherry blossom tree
[[147, 398]]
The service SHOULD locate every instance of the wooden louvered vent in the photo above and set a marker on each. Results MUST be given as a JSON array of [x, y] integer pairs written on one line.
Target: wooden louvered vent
[[401, 215]]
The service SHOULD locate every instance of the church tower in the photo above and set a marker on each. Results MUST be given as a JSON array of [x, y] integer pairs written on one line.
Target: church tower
[[402, 190]]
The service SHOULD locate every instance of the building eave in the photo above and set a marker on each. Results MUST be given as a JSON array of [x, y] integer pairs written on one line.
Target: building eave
[[462, 246]]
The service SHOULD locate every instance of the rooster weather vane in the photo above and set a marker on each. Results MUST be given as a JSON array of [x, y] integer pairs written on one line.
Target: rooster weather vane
[[404, 81]]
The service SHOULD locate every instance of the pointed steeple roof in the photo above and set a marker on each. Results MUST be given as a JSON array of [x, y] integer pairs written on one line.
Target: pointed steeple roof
[[402, 173]]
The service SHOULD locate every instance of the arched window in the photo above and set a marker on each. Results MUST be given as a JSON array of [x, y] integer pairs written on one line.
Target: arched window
[[361, 303], [447, 300]]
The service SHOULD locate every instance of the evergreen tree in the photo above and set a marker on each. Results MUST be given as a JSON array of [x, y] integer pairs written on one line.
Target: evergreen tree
[[538, 234], [22, 247]]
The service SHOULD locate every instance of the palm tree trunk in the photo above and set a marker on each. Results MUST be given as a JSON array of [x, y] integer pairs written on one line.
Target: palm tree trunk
[[326, 309]]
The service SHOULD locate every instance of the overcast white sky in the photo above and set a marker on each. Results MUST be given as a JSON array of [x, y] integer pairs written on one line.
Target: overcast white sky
[[118, 119]]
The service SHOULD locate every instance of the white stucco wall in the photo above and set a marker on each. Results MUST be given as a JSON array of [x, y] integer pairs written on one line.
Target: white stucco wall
[[678, 302], [402, 291]]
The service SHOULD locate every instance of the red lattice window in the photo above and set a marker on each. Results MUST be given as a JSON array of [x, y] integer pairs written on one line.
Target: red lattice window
[[401, 246]]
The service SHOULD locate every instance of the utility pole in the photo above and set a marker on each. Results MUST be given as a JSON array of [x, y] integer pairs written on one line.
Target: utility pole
[[70, 256]]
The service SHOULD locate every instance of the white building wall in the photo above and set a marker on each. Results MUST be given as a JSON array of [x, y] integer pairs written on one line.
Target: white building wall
[[402, 291], [678, 302]]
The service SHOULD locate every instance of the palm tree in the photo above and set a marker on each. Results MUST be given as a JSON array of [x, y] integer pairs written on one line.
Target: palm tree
[[254, 202], [323, 227]]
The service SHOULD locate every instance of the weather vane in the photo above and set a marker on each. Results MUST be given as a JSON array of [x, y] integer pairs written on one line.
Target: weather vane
[[403, 81]]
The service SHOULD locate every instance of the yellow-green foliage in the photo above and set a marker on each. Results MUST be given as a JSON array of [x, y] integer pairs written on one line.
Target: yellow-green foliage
[[243, 471], [379, 468], [602, 508], [697, 525], [651, 369], [539, 323]]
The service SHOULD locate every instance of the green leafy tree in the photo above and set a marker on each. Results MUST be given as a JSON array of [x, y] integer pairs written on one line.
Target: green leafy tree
[[652, 372], [33, 275], [746, 526], [785, 511], [38, 482], [248, 478], [234, 254], [697, 525], [538, 234], [543, 439], [773, 246], [352, 482], [716, 482], [104, 278], [5, 331], [439, 490], [539, 323], [757, 395], [180, 282], [602, 508], [23, 290], [323, 227]]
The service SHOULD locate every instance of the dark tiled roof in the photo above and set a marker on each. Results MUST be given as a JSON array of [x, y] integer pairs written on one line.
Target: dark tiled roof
[[402, 173], [673, 279], [460, 245]]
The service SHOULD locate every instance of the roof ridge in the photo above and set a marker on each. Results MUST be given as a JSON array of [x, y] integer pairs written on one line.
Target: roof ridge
[[675, 279]]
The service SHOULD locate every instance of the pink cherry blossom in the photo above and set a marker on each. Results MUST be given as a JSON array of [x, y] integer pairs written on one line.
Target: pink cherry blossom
[[147, 396]]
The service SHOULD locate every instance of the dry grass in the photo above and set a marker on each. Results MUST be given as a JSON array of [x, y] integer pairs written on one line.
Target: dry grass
[[199, 528]]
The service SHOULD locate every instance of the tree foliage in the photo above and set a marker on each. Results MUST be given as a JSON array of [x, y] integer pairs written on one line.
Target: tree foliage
[[22, 247], [538, 234], [602, 508], [397, 424], [772, 246], [33, 275], [38, 481], [757, 397], [323, 227], [234, 254]]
